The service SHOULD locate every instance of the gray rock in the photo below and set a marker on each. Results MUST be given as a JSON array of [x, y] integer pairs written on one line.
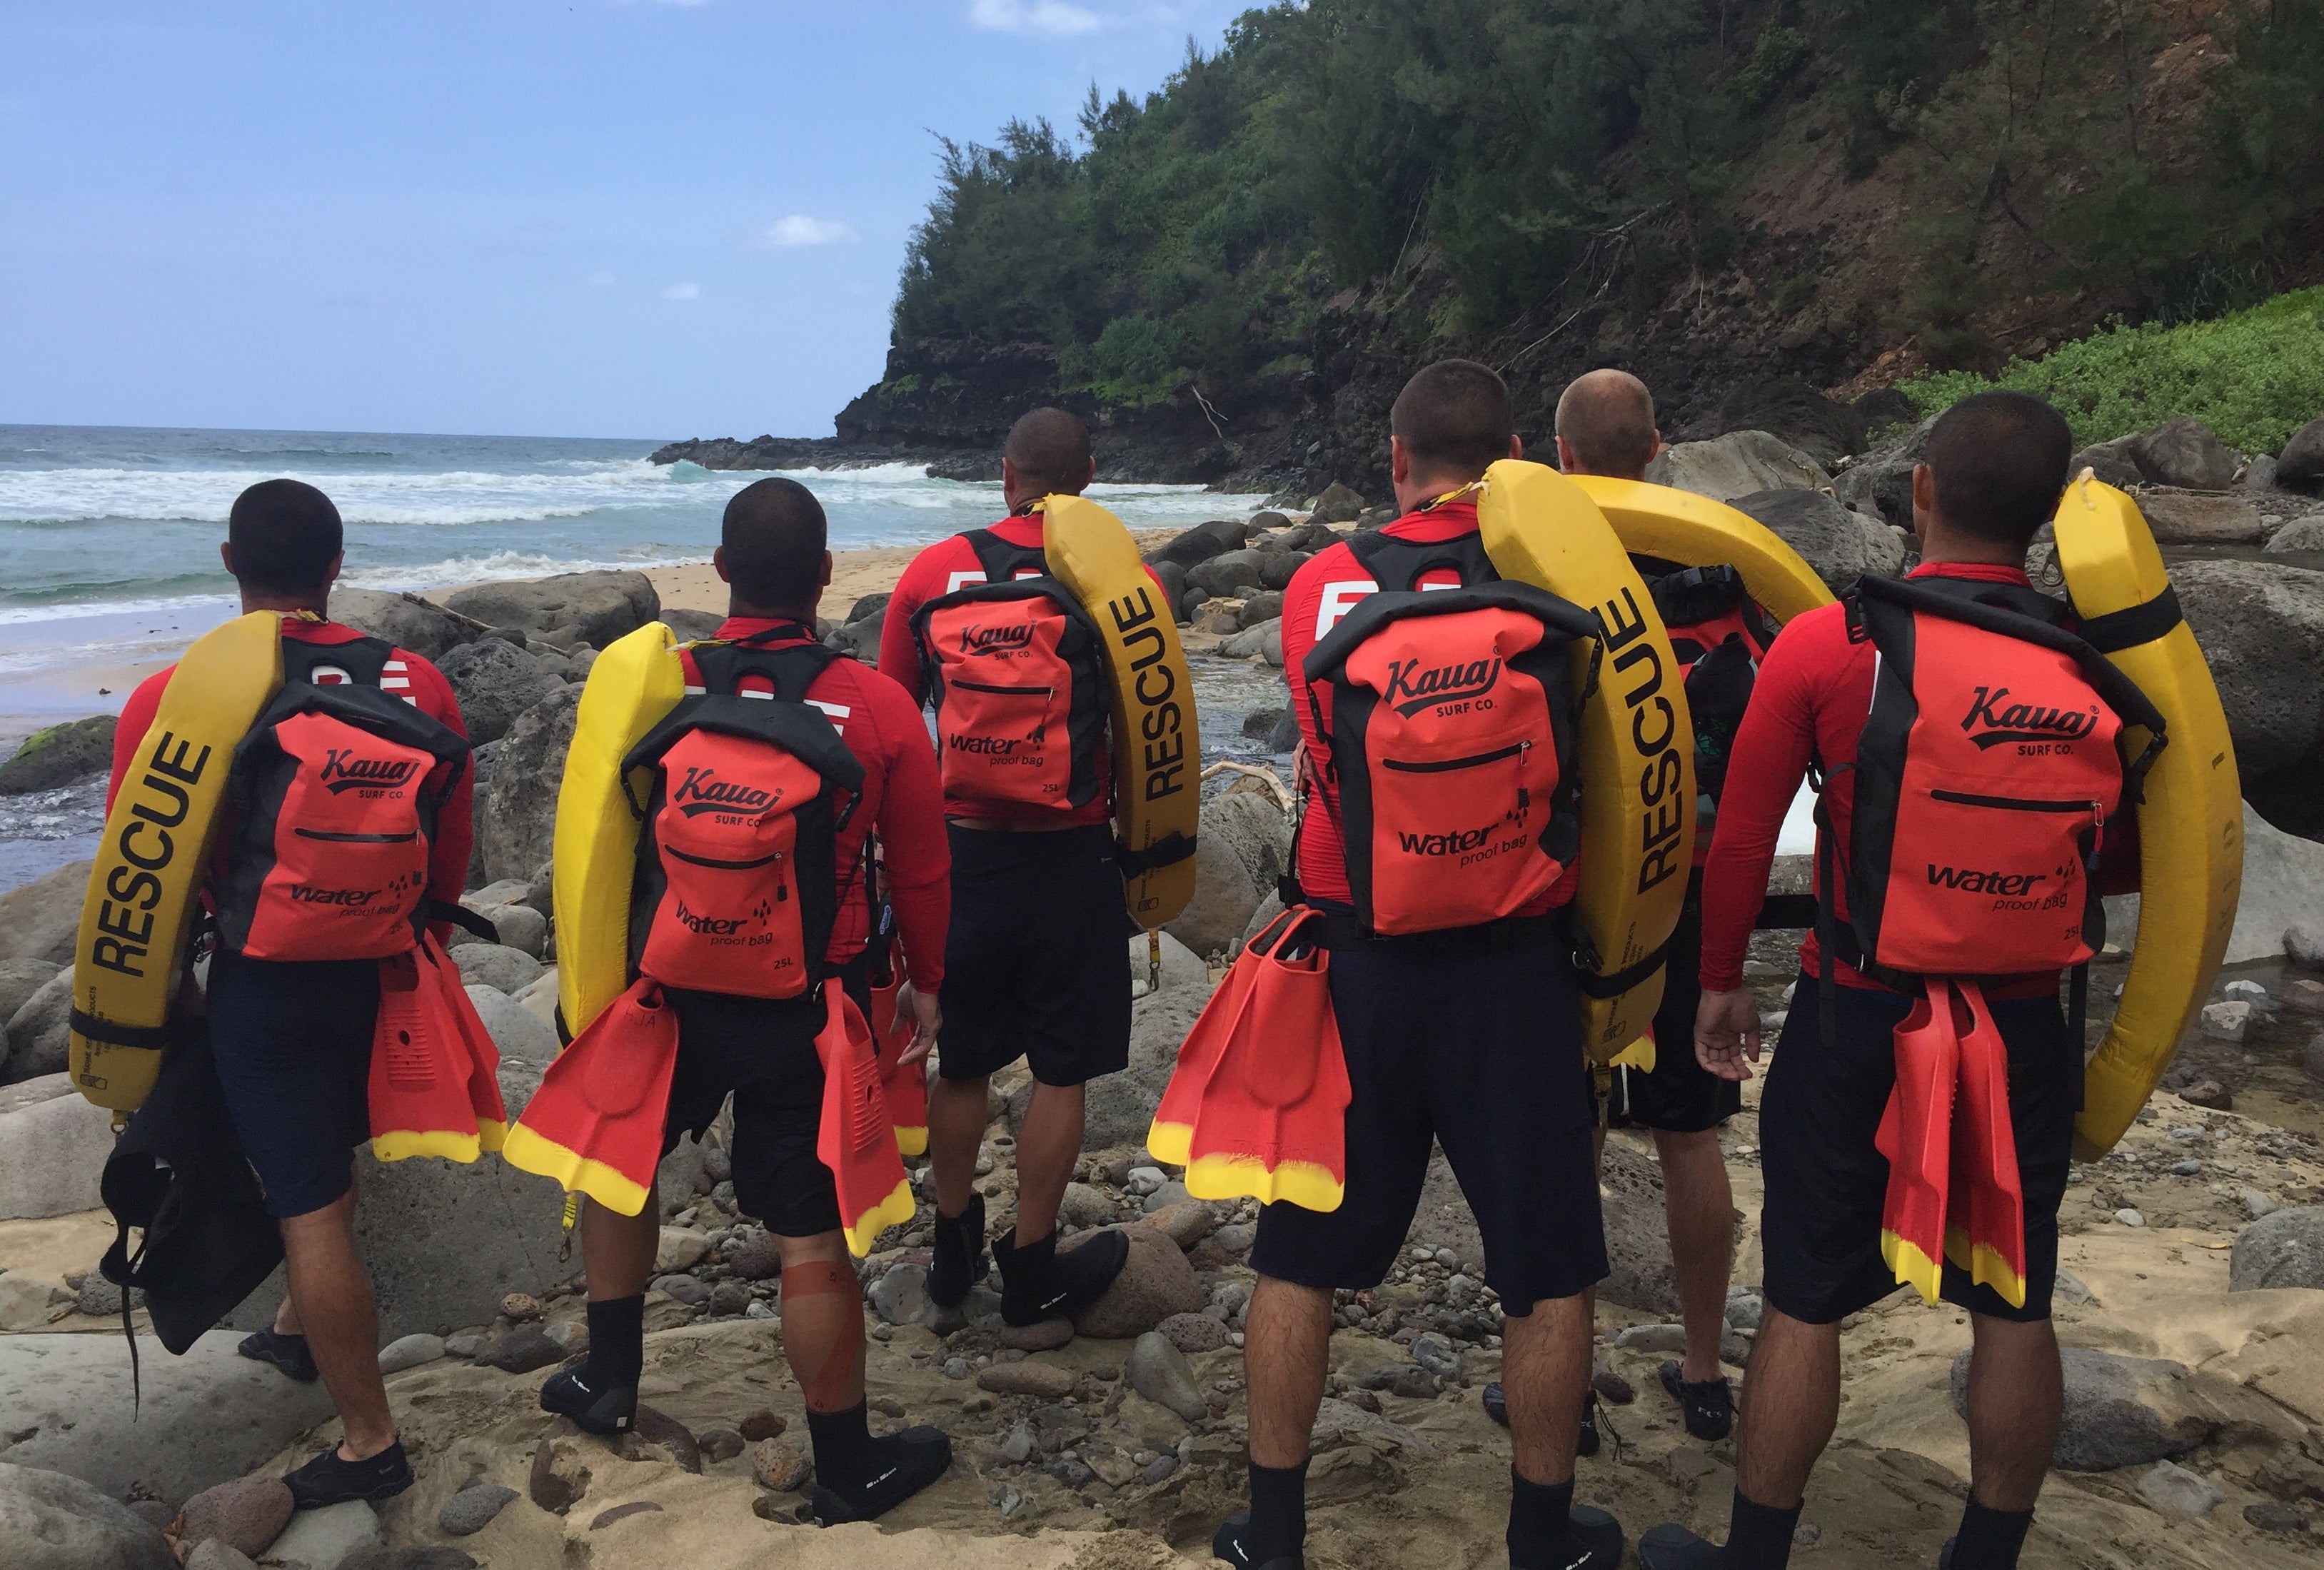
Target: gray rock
[[496, 965], [2259, 474], [1120, 1106], [1048, 1381], [39, 919], [1160, 1372], [1255, 828], [585, 607], [1436, 1355], [409, 1352], [19, 980], [1256, 637], [2110, 462], [2282, 888], [52, 1151], [2261, 631], [471, 1510], [213, 1553], [1653, 1338], [516, 804], [1736, 465], [52, 1521], [2299, 467], [1190, 1332], [1790, 410], [1085, 1206], [1338, 504], [691, 625], [2303, 943], [1043, 1335], [1260, 609], [522, 1350], [495, 681], [325, 1539], [900, 1295], [247, 1514], [406, 620], [2300, 535], [1881, 481], [1840, 545], [1200, 543], [2284, 1248], [59, 755], [1156, 1283], [1231, 570], [524, 1039], [2169, 1487], [683, 1288], [2183, 452], [519, 927], [2119, 1411], [1281, 569], [1268, 909], [1223, 900], [40, 1033]]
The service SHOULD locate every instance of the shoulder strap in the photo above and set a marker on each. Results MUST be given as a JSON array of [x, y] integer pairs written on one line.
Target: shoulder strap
[[1002, 561], [1397, 565], [365, 659], [790, 669]]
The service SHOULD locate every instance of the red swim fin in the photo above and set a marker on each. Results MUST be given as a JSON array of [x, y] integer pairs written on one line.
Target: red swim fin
[[484, 1058], [1916, 1136], [595, 1123], [857, 1139], [420, 1068], [1259, 1105], [907, 1087], [1986, 1228]]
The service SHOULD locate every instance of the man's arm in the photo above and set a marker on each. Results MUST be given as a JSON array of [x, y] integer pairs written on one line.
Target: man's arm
[[455, 831], [914, 847], [899, 655], [129, 732], [1770, 757]]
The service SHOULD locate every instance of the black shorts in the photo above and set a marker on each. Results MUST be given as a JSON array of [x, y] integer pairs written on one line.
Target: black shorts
[[761, 1052], [1827, 1183], [1478, 1051], [1678, 1095], [1038, 964], [292, 1044]]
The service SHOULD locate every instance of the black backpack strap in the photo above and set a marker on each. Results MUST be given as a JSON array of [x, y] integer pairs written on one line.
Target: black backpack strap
[[1397, 565], [365, 659], [460, 916], [790, 669], [1002, 561]]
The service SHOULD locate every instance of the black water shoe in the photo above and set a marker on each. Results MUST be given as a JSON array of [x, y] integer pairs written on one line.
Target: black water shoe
[[1708, 1405], [960, 1260], [896, 1467], [594, 1409], [329, 1479], [1671, 1546], [1038, 1282], [1227, 1544], [288, 1352]]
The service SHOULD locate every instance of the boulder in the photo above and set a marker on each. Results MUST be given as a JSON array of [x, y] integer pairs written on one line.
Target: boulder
[[1258, 640], [2119, 1411], [207, 1417], [2183, 452], [1173, 580], [2300, 535], [1883, 407], [1200, 543], [1255, 828], [2284, 1248], [2201, 517], [1160, 1372], [246, 1514], [1840, 545], [1225, 573], [1262, 608], [328, 1538], [52, 1521], [39, 1033], [575, 608], [705, 624], [1182, 969], [1282, 568], [2282, 888], [861, 639], [1793, 412], [2109, 462], [2261, 631], [406, 620], [495, 681], [60, 755], [1338, 504], [2299, 467], [522, 1036], [516, 804], [1156, 1283], [496, 965], [1120, 1106], [39, 919], [19, 980], [1268, 909], [52, 1151], [1881, 481], [1736, 465], [1224, 899]]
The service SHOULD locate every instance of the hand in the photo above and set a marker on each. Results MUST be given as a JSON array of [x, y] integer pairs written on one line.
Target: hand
[[927, 1019], [1726, 1032]]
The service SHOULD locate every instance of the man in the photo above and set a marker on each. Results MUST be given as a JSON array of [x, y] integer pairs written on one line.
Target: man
[[1036, 967], [1469, 1039], [1995, 465], [762, 1050], [293, 1039]]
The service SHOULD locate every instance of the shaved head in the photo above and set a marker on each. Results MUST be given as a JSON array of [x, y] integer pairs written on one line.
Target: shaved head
[[1606, 425], [1050, 451]]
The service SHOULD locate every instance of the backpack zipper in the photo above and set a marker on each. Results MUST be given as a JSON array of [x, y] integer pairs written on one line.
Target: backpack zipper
[[2017, 803], [354, 838], [718, 864], [1009, 691], [1514, 750]]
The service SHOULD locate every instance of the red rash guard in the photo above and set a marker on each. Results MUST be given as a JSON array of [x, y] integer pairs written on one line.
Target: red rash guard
[[1814, 693], [425, 689], [1323, 591], [948, 565], [881, 725]]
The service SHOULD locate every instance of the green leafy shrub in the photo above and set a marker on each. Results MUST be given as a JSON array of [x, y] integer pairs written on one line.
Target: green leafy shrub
[[2253, 377]]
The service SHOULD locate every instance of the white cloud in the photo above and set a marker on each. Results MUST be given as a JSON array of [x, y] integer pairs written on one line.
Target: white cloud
[[683, 291], [601, 279], [1054, 17], [799, 229]]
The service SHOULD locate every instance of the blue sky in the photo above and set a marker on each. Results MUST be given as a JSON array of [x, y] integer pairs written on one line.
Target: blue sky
[[607, 217]]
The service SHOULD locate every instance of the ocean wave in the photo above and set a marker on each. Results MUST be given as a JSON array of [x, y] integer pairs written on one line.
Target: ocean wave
[[569, 489]]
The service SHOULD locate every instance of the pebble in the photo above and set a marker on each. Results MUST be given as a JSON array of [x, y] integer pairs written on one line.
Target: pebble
[[520, 1306], [2226, 1022], [1236, 1239], [1436, 1355], [720, 1444], [471, 1510], [1743, 1310], [462, 1346], [1006, 1500], [2269, 1515], [2187, 1167], [622, 1512], [2171, 1487], [763, 1424], [684, 1289], [900, 1295], [768, 1508], [1192, 1333], [1047, 1380], [409, 1352], [2256, 1203], [1160, 1372], [1159, 1470], [522, 1350], [681, 1249], [1446, 1258], [759, 1259], [1806, 1533], [731, 1297], [778, 1466], [1144, 1180], [2129, 1217], [1045, 1336], [1652, 1337], [245, 1514], [217, 1554]]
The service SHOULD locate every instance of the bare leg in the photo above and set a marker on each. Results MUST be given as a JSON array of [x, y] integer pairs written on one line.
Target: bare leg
[[956, 1117], [1287, 1348], [1699, 1203], [617, 1250], [334, 1304], [823, 1321], [1545, 1373], [1791, 1405], [1048, 1146], [2016, 1391]]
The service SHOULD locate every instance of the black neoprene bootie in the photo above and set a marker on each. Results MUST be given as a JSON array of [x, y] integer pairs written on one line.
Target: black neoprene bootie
[[594, 1409], [893, 1469], [1037, 1282], [960, 1261], [1232, 1545], [1707, 1404], [601, 1395], [330, 1479]]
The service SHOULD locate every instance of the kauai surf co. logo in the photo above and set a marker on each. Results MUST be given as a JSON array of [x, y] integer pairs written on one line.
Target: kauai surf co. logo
[[703, 791], [1411, 688], [342, 772], [1010, 640], [1992, 723]]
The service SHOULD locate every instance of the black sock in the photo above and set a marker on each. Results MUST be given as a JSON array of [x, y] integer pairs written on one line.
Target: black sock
[[1538, 1530], [842, 1445], [1759, 1537], [1990, 1539], [617, 1341], [1278, 1512]]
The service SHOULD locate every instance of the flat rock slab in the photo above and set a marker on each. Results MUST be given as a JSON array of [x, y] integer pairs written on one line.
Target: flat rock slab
[[208, 1416]]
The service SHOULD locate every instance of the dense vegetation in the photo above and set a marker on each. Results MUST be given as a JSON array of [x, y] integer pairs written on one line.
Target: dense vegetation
[[2254, 376], [1471, 168]]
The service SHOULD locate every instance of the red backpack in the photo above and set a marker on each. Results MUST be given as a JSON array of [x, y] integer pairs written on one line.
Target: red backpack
[[1988, 766], [1718, 635], [737, 883], [1017, 672], [336, 791], [1452, 737]]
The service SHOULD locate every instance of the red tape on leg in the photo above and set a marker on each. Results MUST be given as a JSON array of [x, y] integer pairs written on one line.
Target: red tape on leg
[[823, 1333]]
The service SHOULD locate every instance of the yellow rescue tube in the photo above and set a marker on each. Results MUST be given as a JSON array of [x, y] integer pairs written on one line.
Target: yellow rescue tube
[[2190, 833], [1697, 531], [1637, 737], [144, 892], [1158, 742], [632, 686]]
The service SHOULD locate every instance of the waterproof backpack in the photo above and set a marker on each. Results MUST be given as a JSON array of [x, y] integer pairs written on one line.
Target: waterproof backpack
[[1018, 671], [335, 793], [738, 883], [1452, 737], [1720, 635], [1988, 766]]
